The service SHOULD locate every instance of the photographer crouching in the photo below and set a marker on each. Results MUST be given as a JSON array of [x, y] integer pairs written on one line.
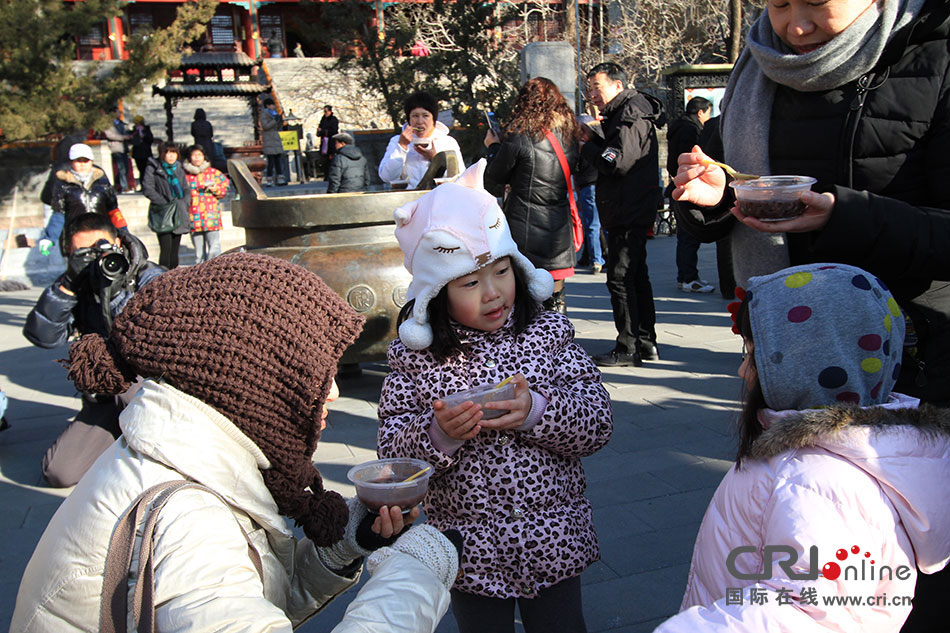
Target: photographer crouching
[[103, 271]]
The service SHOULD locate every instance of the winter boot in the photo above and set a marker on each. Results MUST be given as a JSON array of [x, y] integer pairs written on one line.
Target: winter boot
[[557, 302]]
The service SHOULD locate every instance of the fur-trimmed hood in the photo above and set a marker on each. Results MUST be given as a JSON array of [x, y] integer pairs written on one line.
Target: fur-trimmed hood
[[195, 169], [907, 450], [821, 427], [66, 175]]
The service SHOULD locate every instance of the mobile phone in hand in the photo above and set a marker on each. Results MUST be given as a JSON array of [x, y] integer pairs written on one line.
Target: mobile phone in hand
[[493, 124]]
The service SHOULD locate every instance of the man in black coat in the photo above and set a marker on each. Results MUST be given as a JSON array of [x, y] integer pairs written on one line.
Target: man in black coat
[[349, 168], [328, 127], [84, 300], [682, 135], [626, 157], [142, 140]]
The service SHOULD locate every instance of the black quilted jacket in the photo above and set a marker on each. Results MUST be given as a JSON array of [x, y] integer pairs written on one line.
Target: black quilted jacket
[[879, 144], [72, 199]]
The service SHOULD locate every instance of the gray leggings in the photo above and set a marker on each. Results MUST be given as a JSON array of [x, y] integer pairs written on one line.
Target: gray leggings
[[207, 245], [94, 429]]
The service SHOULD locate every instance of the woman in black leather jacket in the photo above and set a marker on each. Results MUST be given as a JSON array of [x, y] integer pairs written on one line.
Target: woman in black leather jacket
[[536, 205]]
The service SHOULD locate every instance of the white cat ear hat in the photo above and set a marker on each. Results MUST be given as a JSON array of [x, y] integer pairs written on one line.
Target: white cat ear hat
[[452, 231]]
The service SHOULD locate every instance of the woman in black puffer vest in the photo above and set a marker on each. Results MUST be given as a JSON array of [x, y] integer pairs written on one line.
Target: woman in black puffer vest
[[863, 106], [537, 206]]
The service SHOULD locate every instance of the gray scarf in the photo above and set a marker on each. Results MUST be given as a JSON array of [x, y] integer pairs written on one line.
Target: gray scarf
[[766, 62], [83, 179]]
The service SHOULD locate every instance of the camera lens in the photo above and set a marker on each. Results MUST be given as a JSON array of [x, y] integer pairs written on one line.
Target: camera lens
[[113, 265]]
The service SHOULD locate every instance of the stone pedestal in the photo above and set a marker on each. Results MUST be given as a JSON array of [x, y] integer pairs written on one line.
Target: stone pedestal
[[551, 60]]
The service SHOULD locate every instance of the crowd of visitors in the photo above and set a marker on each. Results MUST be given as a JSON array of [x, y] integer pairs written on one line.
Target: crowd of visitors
[[843, 312]]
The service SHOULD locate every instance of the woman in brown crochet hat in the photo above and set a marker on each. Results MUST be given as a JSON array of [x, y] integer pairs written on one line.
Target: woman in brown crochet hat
[[238, 356]]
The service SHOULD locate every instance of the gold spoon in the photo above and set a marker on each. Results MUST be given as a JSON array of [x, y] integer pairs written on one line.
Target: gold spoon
[[504, 382], [732, 172], [418, 474]]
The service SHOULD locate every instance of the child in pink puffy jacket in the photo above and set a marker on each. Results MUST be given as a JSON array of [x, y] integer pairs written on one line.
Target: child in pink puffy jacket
[[838, 497], [513, 485]]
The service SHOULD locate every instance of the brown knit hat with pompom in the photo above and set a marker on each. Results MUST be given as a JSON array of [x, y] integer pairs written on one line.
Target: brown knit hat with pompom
[[256, 338]]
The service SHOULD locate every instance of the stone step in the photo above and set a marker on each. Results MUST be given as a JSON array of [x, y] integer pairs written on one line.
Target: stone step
[[230, 117]]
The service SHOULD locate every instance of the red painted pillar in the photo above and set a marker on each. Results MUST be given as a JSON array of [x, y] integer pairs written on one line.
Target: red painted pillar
[[255, 32], [116, 32], [248, 28]]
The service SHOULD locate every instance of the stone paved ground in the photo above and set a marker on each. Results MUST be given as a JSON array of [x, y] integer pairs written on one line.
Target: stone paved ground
[[672, 443]]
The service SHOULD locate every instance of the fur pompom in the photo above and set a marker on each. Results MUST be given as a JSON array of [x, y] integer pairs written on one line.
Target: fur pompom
[[540, 284], [95, 369], [415, 335]]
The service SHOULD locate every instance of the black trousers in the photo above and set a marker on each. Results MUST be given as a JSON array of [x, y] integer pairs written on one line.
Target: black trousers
[[141, 162], [168, 244], [274, 167], [628, 281], [929, 614], [557, 609]]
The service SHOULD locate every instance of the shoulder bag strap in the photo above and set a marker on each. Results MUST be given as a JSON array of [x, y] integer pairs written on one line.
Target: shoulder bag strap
[[576, 224], [113, 609]]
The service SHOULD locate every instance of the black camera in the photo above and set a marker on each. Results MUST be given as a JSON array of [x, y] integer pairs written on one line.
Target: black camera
[[110, 261]]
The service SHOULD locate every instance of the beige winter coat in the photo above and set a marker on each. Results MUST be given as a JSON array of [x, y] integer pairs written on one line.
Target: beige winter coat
[[204, 578]]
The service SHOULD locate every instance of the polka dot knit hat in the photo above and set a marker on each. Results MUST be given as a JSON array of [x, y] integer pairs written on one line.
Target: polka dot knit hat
[[258, 339], [824, 334]]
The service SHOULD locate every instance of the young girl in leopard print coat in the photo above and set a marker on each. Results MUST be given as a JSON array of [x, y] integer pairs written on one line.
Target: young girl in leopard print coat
[[512, 485]]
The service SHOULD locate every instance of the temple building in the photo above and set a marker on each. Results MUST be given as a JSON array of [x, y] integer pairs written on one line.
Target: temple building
[[246, 26]]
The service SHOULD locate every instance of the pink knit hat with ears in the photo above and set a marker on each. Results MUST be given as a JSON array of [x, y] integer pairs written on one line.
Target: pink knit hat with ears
[[450, 232]]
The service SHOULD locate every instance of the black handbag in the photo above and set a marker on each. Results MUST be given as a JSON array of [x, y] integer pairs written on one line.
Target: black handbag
[[163, 218]]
